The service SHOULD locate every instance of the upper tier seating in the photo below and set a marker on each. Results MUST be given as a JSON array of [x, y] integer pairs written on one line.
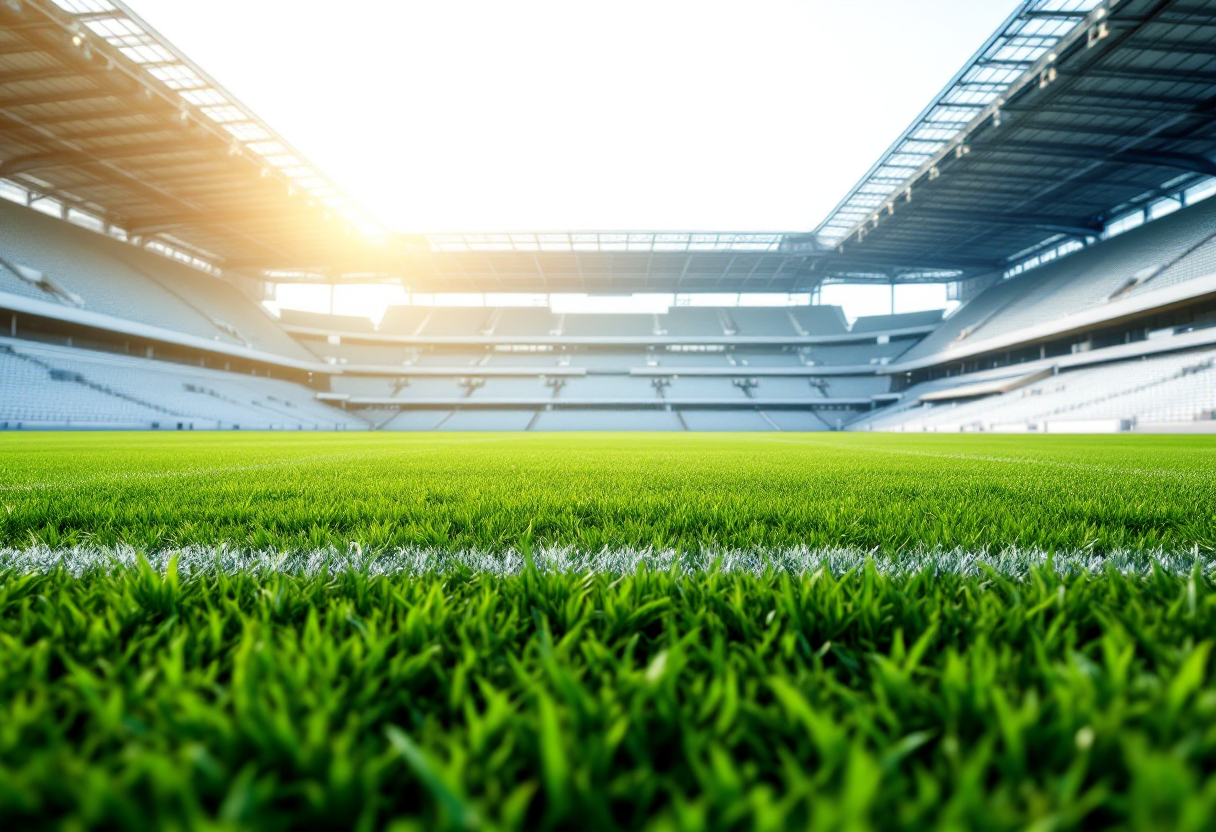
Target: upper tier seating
[[1164, 252], [325, 322], [526, 321], [403, 320], [113, 278], [598, 326], [452, 321], [692, 320], [820, 320], [761, 321], [903, 320]]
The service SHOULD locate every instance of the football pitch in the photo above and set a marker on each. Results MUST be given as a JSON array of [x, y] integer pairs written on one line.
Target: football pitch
[[607, 631]]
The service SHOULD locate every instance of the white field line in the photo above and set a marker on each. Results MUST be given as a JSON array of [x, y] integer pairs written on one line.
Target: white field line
[[1012, 562], [1025, 460]]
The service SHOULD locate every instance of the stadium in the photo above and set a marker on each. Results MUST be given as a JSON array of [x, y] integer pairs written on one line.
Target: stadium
[[451, 566]]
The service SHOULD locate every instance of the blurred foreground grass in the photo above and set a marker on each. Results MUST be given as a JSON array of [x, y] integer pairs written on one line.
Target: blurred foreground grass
[[142, 699]]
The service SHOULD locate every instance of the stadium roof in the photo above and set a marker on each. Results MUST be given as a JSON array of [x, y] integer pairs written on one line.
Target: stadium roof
[[105, 115], [1025, 37], [647, 264], [678, 241], [1120, 112], [1071, 113]]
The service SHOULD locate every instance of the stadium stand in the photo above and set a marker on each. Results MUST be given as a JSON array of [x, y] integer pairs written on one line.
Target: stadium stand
[[819, 320], [684, 320], [704, 387], [886, 323], [57, 387], [417, 420], [1177, 388], [526, 321], [1085, 283], [610, 326], [325, 323], [763, 321], [594, 419], [454, 321], [403, 320]]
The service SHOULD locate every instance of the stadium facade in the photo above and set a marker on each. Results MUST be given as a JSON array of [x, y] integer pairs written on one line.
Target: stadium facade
[[1059, 184]]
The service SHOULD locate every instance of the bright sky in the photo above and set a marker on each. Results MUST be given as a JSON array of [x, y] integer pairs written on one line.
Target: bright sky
[[485, 115]]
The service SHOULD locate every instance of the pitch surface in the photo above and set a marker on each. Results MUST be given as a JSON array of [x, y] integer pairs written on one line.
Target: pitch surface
[[883, 676], [595, 492]]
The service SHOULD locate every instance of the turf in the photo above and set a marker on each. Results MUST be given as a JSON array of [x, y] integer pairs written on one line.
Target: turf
[[141, 700], [881, 493], [607, 632]]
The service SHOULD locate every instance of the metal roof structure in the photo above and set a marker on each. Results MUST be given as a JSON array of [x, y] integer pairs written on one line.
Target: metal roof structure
[[611, 266], [1073, 112], [624, 261], [648, 241], [105, 115], [1028, 34], [1120, 112]]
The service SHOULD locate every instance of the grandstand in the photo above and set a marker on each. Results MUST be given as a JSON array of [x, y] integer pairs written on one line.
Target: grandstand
[[1059, 184]]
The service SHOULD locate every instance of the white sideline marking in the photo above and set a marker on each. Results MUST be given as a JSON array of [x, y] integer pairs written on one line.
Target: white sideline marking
[[1012, 562]]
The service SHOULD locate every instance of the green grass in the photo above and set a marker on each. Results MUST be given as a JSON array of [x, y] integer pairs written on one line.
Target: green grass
[[141, 700], [602, 491], [847, 632]]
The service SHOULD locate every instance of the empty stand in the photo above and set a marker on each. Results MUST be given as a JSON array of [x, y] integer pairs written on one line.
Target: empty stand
[[622, 387], [526, 321], [786, 388], [819, 320], [60, 386], [1165, 252], [612, 326], [417, 420], [1178, 387], [797, 420], [689, 320], [726, 420], [325, 322], [903, 320], [479, 420], [403, 320], [556, 420], [453, 321], [113, 278], [524, 387], [764, 322], [704, 387]]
